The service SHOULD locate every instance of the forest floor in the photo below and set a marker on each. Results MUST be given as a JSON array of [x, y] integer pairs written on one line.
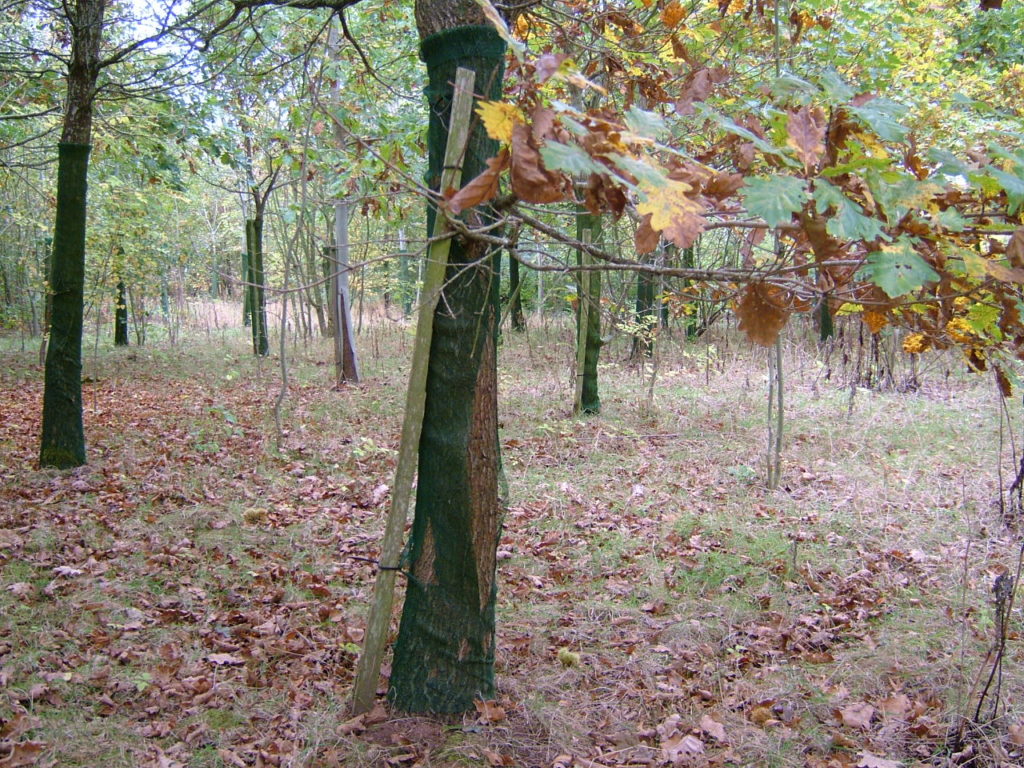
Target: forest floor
[[195, 596]]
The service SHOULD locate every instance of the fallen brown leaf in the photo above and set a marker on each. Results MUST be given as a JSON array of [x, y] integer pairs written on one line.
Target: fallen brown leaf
[[22, 753], [713, 728], [898, 705], [1016, 733], [490, 711], [857, 715], [225, 660], [868, 760]]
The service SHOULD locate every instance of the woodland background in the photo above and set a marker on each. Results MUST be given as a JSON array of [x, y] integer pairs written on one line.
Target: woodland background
[[703, 572]]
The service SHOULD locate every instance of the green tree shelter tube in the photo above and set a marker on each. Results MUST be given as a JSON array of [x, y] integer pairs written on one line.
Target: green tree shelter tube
[[444, 656], [62, 444], [590, 292]]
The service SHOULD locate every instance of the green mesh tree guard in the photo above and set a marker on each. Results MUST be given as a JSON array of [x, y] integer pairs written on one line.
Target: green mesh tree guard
[[444, 656], [646, 316], [590, 401], [62, 444], [246, 279], [826, 328], [258, 294]]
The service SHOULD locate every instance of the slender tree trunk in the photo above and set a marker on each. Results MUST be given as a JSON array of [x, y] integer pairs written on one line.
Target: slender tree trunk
[[346, 363], [406, 276], [62, 442], [515, 292], [121, 316], [444, 657]]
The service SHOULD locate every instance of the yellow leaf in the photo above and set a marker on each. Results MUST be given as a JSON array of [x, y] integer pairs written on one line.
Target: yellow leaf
[[678, 217], [875, 321], [872, 145], [499, 119], [665, 202]]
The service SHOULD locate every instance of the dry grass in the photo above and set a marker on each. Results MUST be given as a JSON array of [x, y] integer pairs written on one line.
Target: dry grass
[[220, 580]]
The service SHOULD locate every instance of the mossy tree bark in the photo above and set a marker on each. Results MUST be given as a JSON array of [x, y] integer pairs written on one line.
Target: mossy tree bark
[[590, 292], [444, 656], [62, 442]]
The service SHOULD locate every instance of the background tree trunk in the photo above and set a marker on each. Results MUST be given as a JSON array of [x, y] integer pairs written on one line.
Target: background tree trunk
[[515, 292], [590, 292], [246, 279], [346, 362], [121, 316], [260, 341], [444, 657], [646, 316]]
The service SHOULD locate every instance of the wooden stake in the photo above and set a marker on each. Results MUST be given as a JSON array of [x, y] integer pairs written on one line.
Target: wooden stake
[[379, 619]]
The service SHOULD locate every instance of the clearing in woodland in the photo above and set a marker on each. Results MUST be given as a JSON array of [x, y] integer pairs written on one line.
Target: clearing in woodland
[[196, 594]]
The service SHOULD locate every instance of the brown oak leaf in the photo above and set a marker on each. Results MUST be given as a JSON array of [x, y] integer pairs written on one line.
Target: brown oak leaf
[[857, 715], [806, 129], [763, 311], [1015, 248], [531, 181], [481, 189]]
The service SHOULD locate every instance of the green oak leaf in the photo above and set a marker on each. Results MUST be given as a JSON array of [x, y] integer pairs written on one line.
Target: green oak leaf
[[648, 124], [850, 223], [882, 116], [827, 196], [775, 198], [569, 158], [898, 269], [1014, 187]]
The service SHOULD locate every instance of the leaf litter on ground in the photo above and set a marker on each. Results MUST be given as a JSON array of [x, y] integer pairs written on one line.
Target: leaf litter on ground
[[195, 592]]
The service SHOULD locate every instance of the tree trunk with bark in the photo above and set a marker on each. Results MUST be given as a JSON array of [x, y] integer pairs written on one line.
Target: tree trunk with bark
[[515, 292], [444, 657], [62, 442], [346, 362]]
